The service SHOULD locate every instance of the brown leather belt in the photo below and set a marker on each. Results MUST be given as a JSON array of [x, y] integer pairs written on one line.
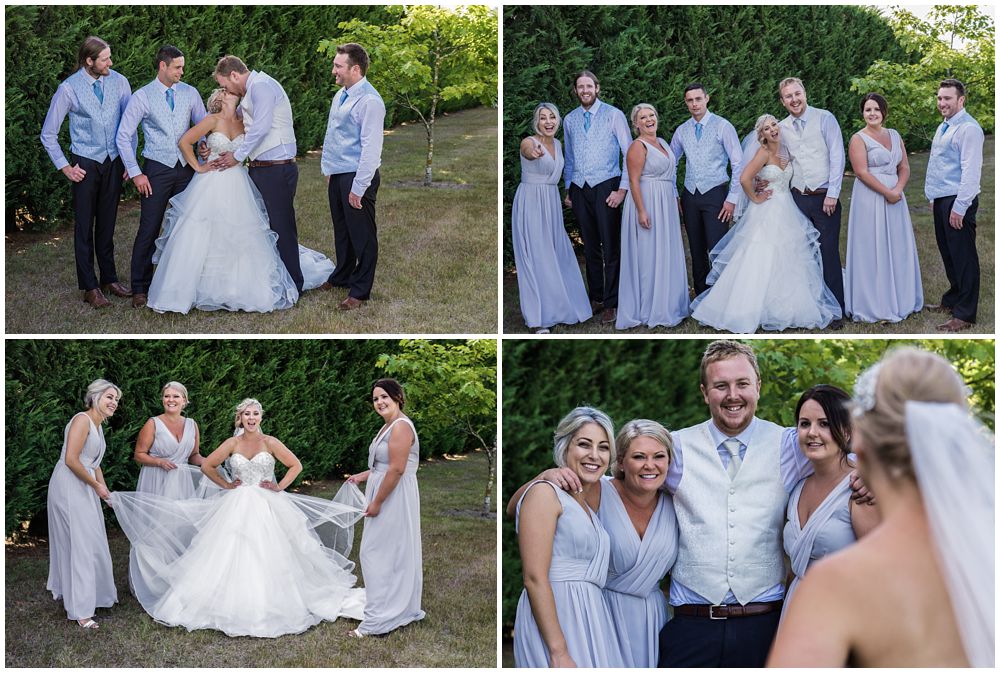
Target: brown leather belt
[[810, 192], [727, 611], [278, 162]]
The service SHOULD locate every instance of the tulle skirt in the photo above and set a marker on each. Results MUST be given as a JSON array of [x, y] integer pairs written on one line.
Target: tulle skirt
[[247, 561]]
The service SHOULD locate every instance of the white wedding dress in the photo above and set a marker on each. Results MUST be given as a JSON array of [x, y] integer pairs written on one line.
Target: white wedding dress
[[767, 271], [217, 250], [246, 561]]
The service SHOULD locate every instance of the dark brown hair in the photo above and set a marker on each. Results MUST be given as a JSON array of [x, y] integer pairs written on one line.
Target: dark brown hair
[[393, 389], [91, 48], [230, 64], [954, 83], [833, 401], [584, 73], [695, 85], [356, 55], [879, 99], [165, 55]]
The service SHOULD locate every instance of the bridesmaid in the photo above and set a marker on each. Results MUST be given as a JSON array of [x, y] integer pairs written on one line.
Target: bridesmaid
[[548, 276], [562, 617], [168, 442], [822, 517], [883, 272], [391, 558], [653, 282], [79, 558]]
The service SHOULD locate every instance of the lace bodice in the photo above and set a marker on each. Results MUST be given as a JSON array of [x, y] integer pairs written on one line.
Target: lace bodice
[[778, 180], [253, 471], [218, 143]]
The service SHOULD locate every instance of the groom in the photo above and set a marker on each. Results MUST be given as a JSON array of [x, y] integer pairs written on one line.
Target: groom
[[352, 154], [166, 107], [270, 146], [816, 143]]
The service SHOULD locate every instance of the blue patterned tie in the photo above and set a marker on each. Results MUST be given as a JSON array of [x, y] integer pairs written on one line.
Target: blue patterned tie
[[697, 130], [944, 129], [99, 92], [586, 120], [343, 96], [170, 99]]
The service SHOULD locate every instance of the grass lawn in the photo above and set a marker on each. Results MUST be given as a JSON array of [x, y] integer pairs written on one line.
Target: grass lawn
[[460, 598], [931, 267], [437, 266]]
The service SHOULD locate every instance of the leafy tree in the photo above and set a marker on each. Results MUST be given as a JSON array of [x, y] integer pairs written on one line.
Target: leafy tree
[[453, 386], [432, 55], [953, 41]]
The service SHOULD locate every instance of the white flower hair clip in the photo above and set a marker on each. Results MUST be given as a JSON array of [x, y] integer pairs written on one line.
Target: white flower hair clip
[[864, 390]]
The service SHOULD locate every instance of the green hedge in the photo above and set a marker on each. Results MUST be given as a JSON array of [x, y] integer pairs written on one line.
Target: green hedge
[[315, 396], [658, 379], [648, 54], [43, 42]]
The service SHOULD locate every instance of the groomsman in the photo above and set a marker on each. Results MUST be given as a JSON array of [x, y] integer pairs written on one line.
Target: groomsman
[[952, 186], [709, 142], [166, 107], [352, 154], [816, 143], [94, 97], [596, 137]]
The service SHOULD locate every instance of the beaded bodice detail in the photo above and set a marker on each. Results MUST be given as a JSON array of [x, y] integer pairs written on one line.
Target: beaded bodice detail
[[777, 178], [251, 472], [218, 143]]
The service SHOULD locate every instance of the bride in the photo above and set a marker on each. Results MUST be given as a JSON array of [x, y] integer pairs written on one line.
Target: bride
[[767, 271], [217, 250], [248, 559]]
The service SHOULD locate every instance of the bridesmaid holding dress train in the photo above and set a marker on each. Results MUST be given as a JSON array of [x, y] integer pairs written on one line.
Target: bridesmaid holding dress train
[[549, 283], [167, 449], [391, 556], [79, 558]]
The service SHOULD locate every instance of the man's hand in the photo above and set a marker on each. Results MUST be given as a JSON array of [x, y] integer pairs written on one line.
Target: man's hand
[[142, 184], [203, 150], [76, 174], [861, 494], [354, 200], [328, 181], [567, 202], [726, 214], [955, 220], [829, 205], [680, 208], [615, 198], [224, 161]]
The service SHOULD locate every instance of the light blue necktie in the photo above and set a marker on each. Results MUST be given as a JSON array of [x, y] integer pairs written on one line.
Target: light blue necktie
[[944, 129], [586, 120], [170, 99], [99, 92], [343, 97], [697, 130]]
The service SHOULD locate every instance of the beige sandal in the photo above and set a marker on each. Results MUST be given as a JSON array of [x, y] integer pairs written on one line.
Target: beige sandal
[[88, 623], [354, 633]]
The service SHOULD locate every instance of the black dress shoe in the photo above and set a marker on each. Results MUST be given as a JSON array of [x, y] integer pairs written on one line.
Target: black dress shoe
[[837, 324]]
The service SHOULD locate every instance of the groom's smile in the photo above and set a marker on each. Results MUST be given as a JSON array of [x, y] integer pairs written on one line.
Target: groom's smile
[[731, 392]]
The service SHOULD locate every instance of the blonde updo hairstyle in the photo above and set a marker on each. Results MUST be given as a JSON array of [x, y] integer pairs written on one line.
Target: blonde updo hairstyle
[[214, 103], [906, 374], [242, 406], [634, 115], [571, 424], [632, 430], [759, 126], [97, 388]]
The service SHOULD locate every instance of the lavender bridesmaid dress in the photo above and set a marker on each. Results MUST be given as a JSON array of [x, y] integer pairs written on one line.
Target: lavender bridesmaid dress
[[579, 568], [883, 273], [79, 558], [548, 276]]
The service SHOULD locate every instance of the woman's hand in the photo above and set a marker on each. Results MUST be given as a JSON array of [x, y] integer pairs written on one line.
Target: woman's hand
[[102, 492], [234, 484], [562, 661], [359, 477], [165, 464], [200, 167], [644, 220], [564, 478], [269, 485], [894, 196], [373, 509]]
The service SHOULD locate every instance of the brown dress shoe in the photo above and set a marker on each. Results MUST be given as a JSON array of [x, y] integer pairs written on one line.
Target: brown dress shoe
[[609, 315], [139, 299], [595, 306], [117, 289], [937, 308], [325, 286], [954, 325], [349, 304], [96, 298]]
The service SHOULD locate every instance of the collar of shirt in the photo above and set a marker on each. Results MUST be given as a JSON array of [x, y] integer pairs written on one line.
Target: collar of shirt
[[804, 116], [718, 436], [91, 79], [354, 88], [704, 120], [593, 108], [164, 87], [958, 115]]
